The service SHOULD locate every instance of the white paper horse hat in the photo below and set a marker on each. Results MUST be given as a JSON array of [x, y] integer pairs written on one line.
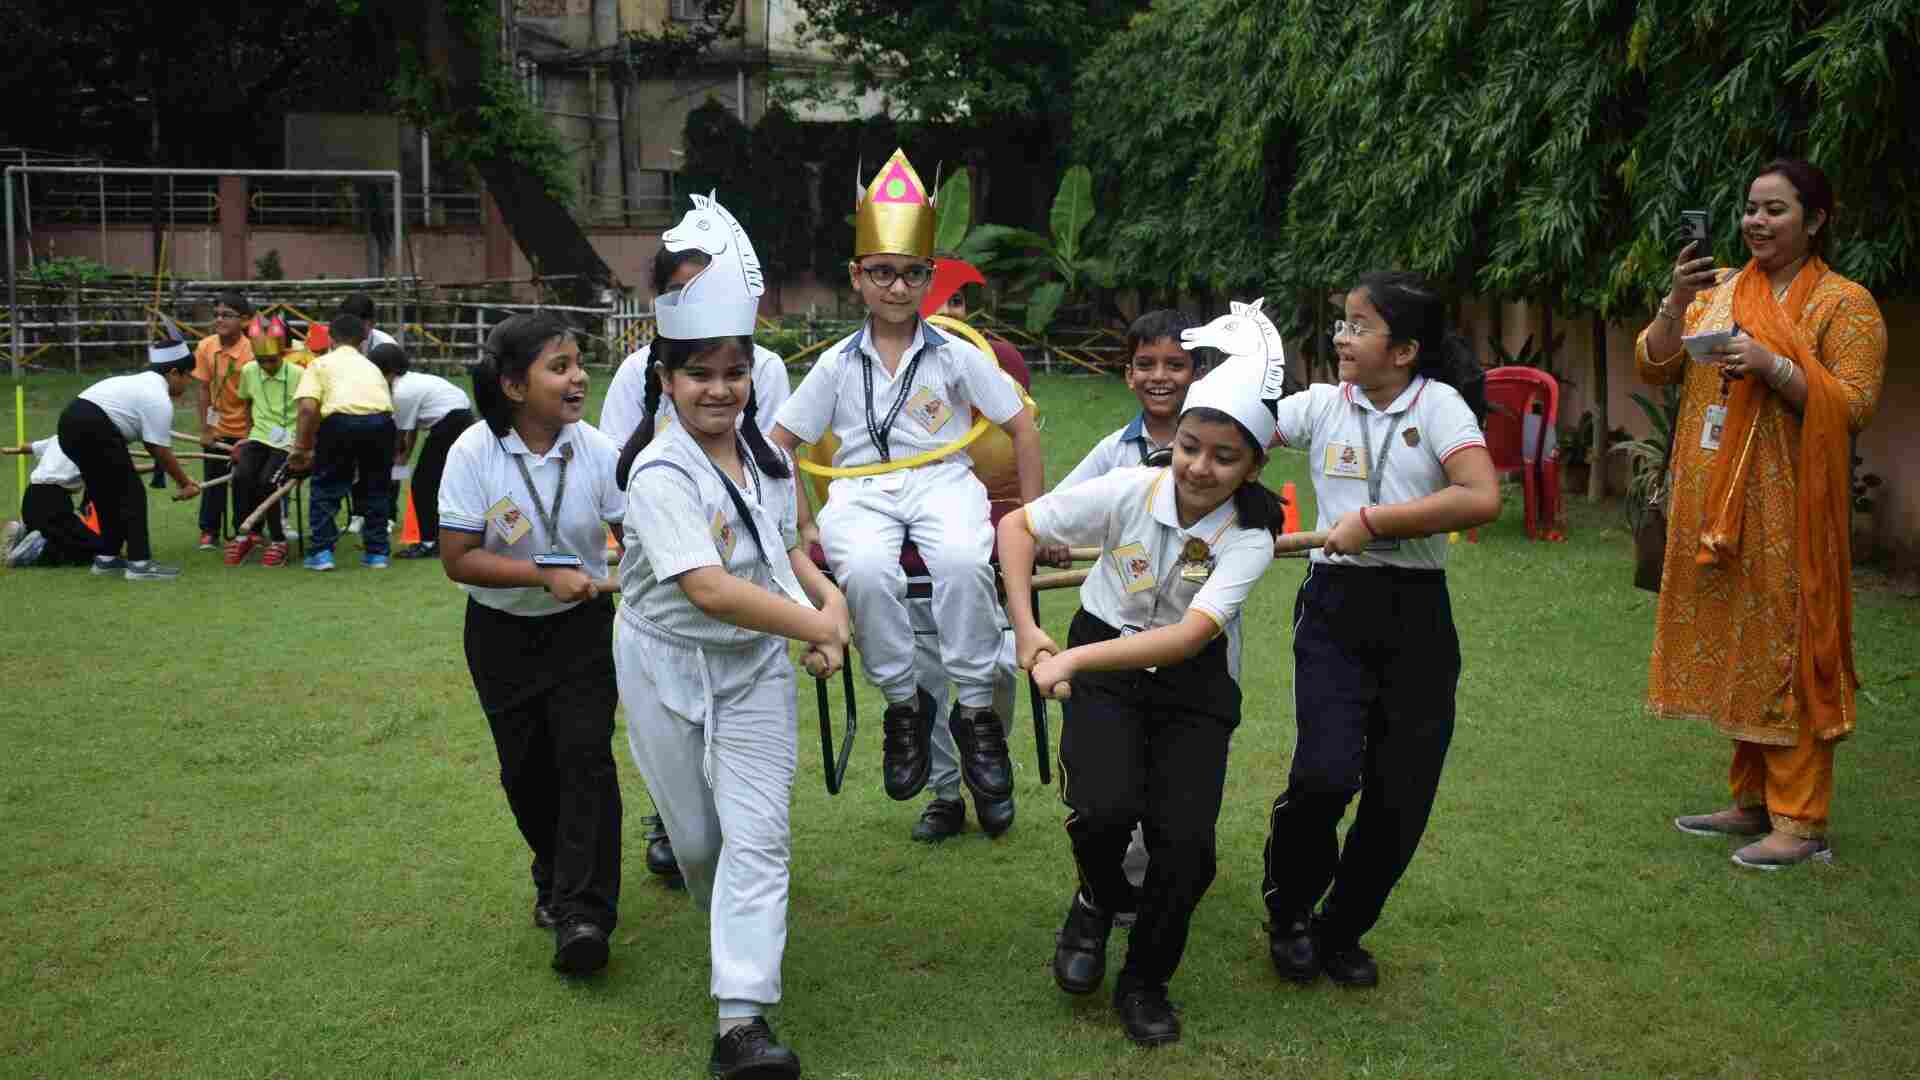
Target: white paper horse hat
[[722, 300], [1252, 379]]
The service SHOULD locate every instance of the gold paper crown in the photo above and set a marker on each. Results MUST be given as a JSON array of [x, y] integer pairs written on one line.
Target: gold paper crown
[[895, 214]]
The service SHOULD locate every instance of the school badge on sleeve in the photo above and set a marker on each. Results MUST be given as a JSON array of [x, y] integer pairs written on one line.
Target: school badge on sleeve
[[1136, 569], [1412, 435]]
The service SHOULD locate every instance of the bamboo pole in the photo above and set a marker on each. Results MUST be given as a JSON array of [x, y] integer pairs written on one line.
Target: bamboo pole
[[210, 455], [271, 501]]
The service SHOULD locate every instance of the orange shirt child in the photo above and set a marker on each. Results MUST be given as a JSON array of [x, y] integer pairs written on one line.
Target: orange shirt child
[[218, 367]]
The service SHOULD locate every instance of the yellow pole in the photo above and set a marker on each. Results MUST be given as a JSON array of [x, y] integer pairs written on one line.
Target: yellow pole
[[20, 439]]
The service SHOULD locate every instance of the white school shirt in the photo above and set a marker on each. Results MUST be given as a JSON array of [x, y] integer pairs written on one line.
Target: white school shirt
[[51, 465], [421, 400], [481, 492], [1342, 433], [377, 338], [952, 380], [680, 518], [1144, 578], [1124, 449], [627, 395], [137, 404]]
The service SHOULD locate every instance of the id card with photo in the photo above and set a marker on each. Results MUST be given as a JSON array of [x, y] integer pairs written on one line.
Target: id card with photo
[[507, 519], [928, 411], [1345, 462], [724, 538], [1712, 427], [1135, 567]]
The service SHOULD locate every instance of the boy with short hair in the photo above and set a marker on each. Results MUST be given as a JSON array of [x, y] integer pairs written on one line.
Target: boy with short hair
[[267, 386], [429, 403], [49, 533], [1159, 371], [360, 305], [897, 389], [217, 362], [346, 429]]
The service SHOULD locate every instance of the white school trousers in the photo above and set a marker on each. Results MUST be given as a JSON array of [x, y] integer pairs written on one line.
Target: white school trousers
[[943, 508], [713, 733]]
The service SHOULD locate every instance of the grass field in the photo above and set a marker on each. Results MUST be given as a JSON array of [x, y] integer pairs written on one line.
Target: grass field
[[253, 828]]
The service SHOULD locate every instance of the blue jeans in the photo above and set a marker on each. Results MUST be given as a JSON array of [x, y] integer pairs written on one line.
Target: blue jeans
[[350, 447]]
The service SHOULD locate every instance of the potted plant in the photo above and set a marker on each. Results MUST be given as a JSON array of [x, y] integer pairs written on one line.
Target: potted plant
[[1648, 485], [1577, 460]]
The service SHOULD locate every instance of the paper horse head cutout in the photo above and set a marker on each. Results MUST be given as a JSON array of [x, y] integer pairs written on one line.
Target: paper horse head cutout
[[722, 300], [1251, 381]]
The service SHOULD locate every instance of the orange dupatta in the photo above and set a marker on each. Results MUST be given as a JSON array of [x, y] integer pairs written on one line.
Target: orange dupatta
[[1821, 534]]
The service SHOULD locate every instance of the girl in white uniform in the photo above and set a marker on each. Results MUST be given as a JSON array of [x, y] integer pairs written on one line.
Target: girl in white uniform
[[1398, 461], [524, 505], [714, 581], [1153, 705]]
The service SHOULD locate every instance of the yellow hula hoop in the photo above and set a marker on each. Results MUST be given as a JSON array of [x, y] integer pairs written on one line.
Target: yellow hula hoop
[[980, 424]]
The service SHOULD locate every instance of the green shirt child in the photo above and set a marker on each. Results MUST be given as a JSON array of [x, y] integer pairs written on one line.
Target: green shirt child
[[270, 397]]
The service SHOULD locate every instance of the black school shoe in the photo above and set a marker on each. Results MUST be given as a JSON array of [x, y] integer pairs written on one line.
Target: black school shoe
[[942, 818], [906, 746], [579, 948], [750, 1050], [1080, 948], [1148, 1016], [1295, 949], [1349, 965], [996, 815], [423, 550], [545, 915], [981, 742], [660, 860]]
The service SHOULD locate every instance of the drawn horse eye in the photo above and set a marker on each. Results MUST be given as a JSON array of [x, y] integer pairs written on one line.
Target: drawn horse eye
[[703, 225], [1231, 325]]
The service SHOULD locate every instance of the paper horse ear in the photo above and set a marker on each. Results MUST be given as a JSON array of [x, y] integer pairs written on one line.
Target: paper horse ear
[[170, 344]]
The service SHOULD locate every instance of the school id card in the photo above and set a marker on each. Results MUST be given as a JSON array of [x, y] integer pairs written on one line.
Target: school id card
[[1135, 567], [1345, 462], [928, 411], [506, 519]]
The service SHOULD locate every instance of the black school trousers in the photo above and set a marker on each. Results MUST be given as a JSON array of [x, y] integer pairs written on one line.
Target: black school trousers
[[433, 465], [87, 435], [547, 686], [255, 464], [48, 510], [1147, 748], [1376, 662]]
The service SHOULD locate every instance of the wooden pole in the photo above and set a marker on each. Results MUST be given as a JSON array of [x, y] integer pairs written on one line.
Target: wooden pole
[[1597, 456], [260, 511]]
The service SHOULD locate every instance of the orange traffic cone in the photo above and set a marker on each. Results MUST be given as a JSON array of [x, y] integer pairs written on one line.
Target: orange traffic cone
[[91, 518], [1290, 508], [410, 525], [613, 540]]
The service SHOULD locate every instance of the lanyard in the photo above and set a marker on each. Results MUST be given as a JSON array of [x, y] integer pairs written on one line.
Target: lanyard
[[882, 433], [548, 521], [1376, 471], [740, 503]]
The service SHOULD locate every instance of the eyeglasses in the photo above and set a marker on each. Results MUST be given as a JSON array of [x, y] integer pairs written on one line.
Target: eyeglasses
[[227, 313], [884, 276], [1342, 326]]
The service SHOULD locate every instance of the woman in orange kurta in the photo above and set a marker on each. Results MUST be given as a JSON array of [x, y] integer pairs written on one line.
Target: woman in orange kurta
[[1754, 632]]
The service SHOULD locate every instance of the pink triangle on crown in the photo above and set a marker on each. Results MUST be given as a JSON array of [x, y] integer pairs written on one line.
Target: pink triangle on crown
[[896, 185]]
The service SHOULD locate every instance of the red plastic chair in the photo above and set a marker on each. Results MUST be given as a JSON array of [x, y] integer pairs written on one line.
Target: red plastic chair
[[1523, 414]]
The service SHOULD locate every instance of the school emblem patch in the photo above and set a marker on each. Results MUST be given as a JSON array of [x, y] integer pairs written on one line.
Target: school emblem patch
[[1195, 551], [1412, 435]]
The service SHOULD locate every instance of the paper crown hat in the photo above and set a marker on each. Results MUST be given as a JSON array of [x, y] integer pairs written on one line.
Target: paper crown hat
[[319, 338], [170, 345], [1252, 379], [268, 336], [949, 277], [895, 213], [722, 300]]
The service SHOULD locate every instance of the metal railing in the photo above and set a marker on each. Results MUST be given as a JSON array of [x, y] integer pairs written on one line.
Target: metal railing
[[121, 204]]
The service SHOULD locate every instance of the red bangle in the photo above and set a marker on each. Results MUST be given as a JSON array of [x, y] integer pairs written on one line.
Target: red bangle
[[1368, 522]]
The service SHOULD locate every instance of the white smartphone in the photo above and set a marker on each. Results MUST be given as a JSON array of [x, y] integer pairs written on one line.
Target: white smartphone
[[1701, 346]]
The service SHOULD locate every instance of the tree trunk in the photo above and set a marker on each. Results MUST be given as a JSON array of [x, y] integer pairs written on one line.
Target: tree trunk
[[459, 61], [1597, 453]]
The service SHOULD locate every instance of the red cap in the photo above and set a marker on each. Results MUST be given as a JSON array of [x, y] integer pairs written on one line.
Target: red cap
[[948, 277], [318, 339]]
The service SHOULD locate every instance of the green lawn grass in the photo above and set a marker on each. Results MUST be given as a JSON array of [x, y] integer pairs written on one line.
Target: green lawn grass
[[253, 828]]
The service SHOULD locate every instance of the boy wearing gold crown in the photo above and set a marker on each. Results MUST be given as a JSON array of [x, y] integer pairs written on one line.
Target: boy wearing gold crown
[[900, 393]]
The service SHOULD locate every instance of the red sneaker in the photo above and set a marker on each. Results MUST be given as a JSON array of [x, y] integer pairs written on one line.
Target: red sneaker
[[239, 548], [276, 554], [206, 541]]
